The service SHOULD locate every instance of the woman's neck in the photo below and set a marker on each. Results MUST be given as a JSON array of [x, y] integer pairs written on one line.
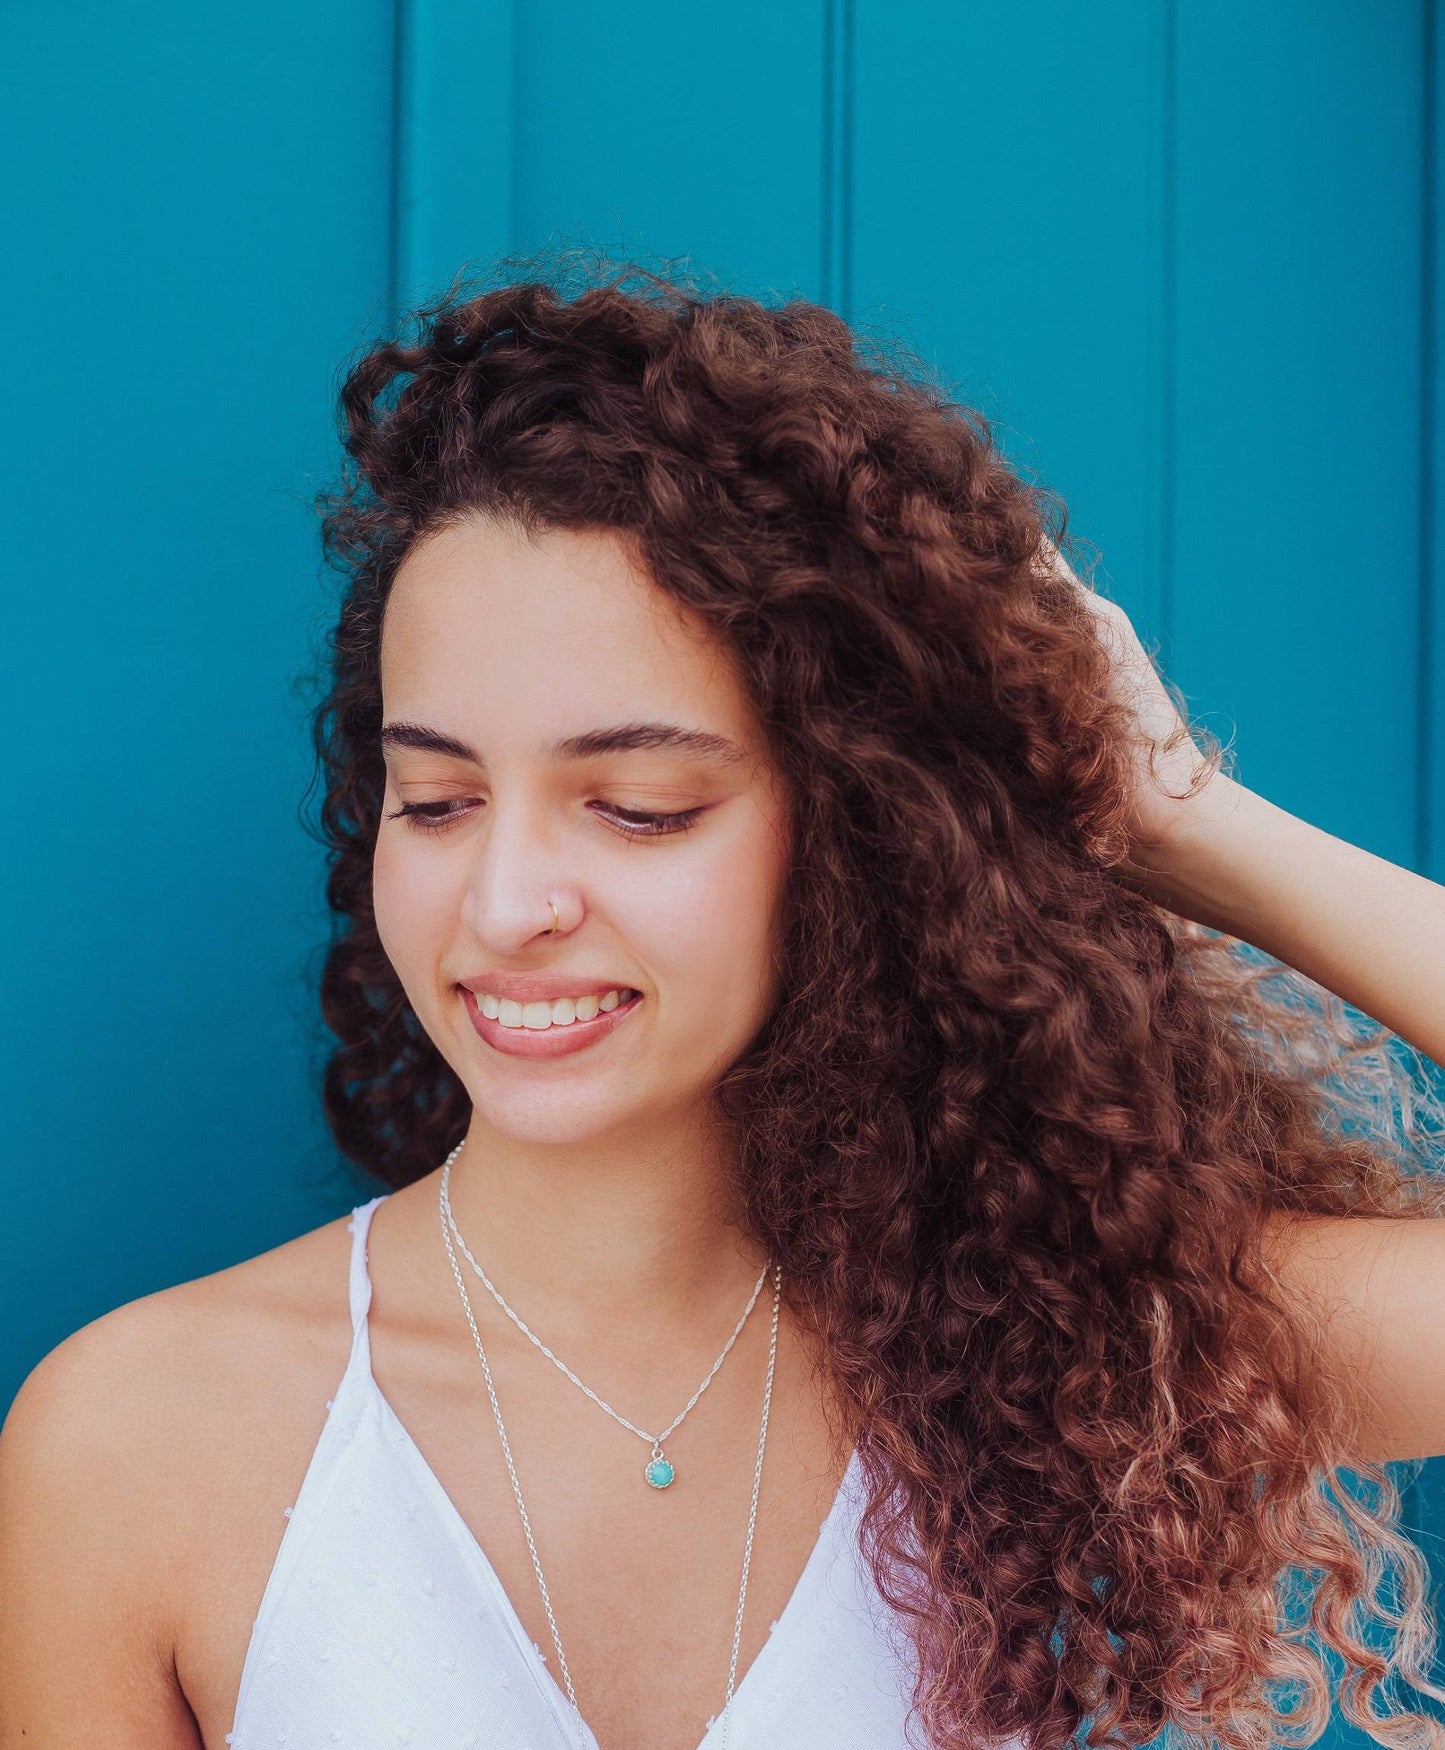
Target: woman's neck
[[637, 1232]]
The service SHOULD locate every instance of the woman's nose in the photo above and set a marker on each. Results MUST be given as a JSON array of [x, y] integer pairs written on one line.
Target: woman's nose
[[516, 877]]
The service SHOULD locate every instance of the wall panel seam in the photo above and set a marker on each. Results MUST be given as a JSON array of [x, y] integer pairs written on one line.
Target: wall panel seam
[[397, 192], [1428, 795], [836, 267]]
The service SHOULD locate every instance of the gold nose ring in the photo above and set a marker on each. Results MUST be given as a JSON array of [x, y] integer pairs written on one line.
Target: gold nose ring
[[556, 920]]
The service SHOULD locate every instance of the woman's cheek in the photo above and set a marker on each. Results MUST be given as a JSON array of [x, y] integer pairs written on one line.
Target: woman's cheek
[[408, 902], [720, 934]]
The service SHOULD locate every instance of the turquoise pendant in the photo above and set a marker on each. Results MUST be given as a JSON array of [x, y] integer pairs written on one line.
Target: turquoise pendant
[[659, 1472]]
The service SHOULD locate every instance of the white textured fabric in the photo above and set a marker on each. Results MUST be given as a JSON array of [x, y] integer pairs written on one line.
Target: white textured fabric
[[383, 1623]]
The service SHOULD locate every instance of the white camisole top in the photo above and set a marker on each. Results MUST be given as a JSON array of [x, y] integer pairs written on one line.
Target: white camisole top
[[383, 1623]]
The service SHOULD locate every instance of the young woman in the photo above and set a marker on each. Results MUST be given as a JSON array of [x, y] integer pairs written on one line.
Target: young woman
[[864, 1255]]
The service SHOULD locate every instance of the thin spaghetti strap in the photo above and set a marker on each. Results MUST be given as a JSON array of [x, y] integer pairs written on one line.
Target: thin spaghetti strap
[[359, 1287]]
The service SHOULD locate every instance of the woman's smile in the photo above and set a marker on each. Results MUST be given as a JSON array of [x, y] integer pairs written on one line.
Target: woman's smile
[[537, 1029]]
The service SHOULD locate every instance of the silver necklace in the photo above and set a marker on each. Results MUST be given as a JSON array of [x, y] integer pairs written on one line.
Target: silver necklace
[[659, 1471], [582, 1732]]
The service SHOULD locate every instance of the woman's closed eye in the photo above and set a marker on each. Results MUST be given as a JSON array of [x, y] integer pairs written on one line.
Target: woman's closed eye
[[631, 822]]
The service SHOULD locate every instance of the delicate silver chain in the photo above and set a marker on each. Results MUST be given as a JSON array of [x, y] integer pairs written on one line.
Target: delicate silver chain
[[727, 1717], [582, 1731], [652, 1439]]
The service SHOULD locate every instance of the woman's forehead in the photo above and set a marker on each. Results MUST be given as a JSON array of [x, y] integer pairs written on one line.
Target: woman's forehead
[[479, 613]]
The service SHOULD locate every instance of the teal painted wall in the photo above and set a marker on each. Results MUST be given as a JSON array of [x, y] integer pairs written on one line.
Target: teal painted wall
[[1187, 256]]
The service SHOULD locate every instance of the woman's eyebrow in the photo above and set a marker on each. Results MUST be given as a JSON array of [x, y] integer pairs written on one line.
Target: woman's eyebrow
[[618, 738]]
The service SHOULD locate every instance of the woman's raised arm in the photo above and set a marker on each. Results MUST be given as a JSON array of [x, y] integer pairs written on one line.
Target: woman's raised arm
[[1364, 928]]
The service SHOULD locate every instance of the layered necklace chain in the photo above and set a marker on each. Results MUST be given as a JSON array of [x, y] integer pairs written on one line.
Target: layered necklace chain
[[659, 1471]]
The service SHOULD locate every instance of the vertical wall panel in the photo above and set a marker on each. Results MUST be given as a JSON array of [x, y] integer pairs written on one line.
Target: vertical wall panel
[[197, 204], [456, 139], [691, 133], [1432, 471], [835, 278], [682, 134], [1006, 217], [1297, 513]]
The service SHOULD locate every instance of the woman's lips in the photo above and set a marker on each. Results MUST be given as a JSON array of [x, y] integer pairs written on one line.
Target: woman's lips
[[546, 1041]]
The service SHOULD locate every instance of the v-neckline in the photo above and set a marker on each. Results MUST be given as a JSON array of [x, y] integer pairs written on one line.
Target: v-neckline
[[557, 1696]]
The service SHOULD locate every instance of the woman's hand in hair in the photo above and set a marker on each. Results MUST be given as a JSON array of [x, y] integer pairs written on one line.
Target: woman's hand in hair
[[1366, 929], [1176, 788]]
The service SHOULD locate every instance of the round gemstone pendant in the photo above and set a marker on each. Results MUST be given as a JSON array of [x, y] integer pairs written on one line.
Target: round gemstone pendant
[[659, 1472]]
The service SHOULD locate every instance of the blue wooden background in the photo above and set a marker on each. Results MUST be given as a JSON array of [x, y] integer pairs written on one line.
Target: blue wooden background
[[1186, 255]]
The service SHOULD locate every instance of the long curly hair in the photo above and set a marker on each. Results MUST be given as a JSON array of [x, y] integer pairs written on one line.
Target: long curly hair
[[1012, 1129]]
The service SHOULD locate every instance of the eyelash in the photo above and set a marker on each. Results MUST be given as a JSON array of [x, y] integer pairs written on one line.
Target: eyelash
[[420, 816]]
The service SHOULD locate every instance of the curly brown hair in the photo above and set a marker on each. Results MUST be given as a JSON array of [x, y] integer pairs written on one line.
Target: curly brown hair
[[1012, 1130]]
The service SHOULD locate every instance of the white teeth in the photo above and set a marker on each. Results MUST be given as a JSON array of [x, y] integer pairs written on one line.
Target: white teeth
[[539, 1016]]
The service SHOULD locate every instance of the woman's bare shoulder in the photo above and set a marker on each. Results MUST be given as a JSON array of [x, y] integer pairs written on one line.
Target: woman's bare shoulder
[[177, 1349], [156, 1376], [129, 1445]]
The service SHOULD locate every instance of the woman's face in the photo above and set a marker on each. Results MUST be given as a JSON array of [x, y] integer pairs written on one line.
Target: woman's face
[[522, 681]]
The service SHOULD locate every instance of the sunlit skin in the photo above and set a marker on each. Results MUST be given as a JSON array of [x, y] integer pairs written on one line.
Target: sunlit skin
[[599, 1177]]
